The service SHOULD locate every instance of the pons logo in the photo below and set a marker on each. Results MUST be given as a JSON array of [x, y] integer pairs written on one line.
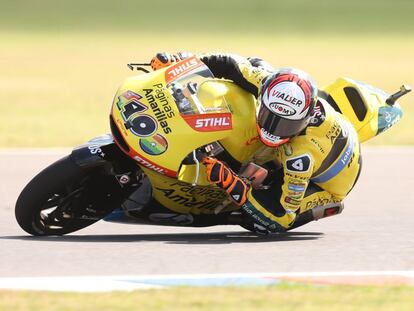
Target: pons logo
[[282, 109]]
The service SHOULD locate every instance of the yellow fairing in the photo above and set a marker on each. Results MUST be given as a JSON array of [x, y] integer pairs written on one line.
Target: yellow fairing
[[172, 128], [163, 116], [364, 106], [160, 130], [241, 142]]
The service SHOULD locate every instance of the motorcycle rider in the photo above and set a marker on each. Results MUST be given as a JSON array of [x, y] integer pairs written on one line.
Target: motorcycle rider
[[315, 146]]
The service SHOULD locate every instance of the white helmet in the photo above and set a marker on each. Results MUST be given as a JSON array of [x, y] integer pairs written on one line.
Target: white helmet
[[287, 98]]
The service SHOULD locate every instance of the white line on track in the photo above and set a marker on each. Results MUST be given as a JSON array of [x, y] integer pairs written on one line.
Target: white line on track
[[137, 282]]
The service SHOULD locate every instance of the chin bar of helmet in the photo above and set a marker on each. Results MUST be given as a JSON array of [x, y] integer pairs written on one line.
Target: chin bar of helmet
[[404, 89]]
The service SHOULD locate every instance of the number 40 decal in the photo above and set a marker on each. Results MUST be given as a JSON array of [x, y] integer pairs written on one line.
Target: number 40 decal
[[299, 164], [131, 108]]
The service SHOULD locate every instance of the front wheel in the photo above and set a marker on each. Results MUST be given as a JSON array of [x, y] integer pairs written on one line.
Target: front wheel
[[64, 198]]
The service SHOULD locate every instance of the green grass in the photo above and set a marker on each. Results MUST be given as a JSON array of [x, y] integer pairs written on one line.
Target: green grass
[[62, 61], [234, 16], [57, 90], [284, 297]]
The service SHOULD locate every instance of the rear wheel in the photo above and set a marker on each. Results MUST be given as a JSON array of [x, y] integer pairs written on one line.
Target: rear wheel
[[63, 198]]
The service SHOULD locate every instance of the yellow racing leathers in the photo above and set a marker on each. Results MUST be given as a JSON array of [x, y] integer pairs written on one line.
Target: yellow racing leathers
[[319, 166]]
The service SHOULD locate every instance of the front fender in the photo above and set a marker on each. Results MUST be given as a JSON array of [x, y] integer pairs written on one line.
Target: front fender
[[102, 151]]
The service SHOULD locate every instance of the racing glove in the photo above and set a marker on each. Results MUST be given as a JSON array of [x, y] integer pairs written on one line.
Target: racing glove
[[220, 174], [161, 60]]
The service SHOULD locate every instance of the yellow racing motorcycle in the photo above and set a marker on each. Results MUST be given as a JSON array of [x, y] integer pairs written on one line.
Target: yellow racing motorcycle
[[163, 123]]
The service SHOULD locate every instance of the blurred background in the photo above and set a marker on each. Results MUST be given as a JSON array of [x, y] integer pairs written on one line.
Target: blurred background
[[62, 61]]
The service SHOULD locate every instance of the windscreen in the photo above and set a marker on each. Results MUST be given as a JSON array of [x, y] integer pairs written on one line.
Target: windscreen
[[194, 92]]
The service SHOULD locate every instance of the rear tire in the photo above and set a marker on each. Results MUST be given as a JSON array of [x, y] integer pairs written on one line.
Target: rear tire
[[63, 198]]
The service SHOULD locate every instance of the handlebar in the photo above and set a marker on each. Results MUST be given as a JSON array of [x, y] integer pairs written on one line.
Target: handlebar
[[404, 89]]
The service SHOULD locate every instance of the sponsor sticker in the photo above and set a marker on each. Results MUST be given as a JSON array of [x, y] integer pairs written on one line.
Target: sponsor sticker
[[320, 201], [334, 131], [289, 200], [286, 99], [282, 109], [96, 149], [318, 115], [295, 195], [296, 178], [130, 95], [201, 198], [270, 139], [129, 103], [160, 106], [154, 145], [152, 166], [296, 187], [211, 122], [387, 117], [181, 68], [142, 125], [299, 164], [339, 163], [138, 122], [317, 145]]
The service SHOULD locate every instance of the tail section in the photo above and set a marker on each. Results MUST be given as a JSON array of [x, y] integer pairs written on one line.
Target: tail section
[[369, 109]]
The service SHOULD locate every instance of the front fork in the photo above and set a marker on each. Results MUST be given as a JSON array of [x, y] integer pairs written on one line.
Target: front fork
[[102, 152], [103, 155]]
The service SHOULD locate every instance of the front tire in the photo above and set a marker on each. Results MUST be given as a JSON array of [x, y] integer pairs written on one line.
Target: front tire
[[63, 198]]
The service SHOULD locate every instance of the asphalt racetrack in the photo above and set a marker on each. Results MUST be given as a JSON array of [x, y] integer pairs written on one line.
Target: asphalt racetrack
[[374, 233]]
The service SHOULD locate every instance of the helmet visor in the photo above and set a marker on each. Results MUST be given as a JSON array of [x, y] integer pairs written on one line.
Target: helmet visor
[[278, 126]]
